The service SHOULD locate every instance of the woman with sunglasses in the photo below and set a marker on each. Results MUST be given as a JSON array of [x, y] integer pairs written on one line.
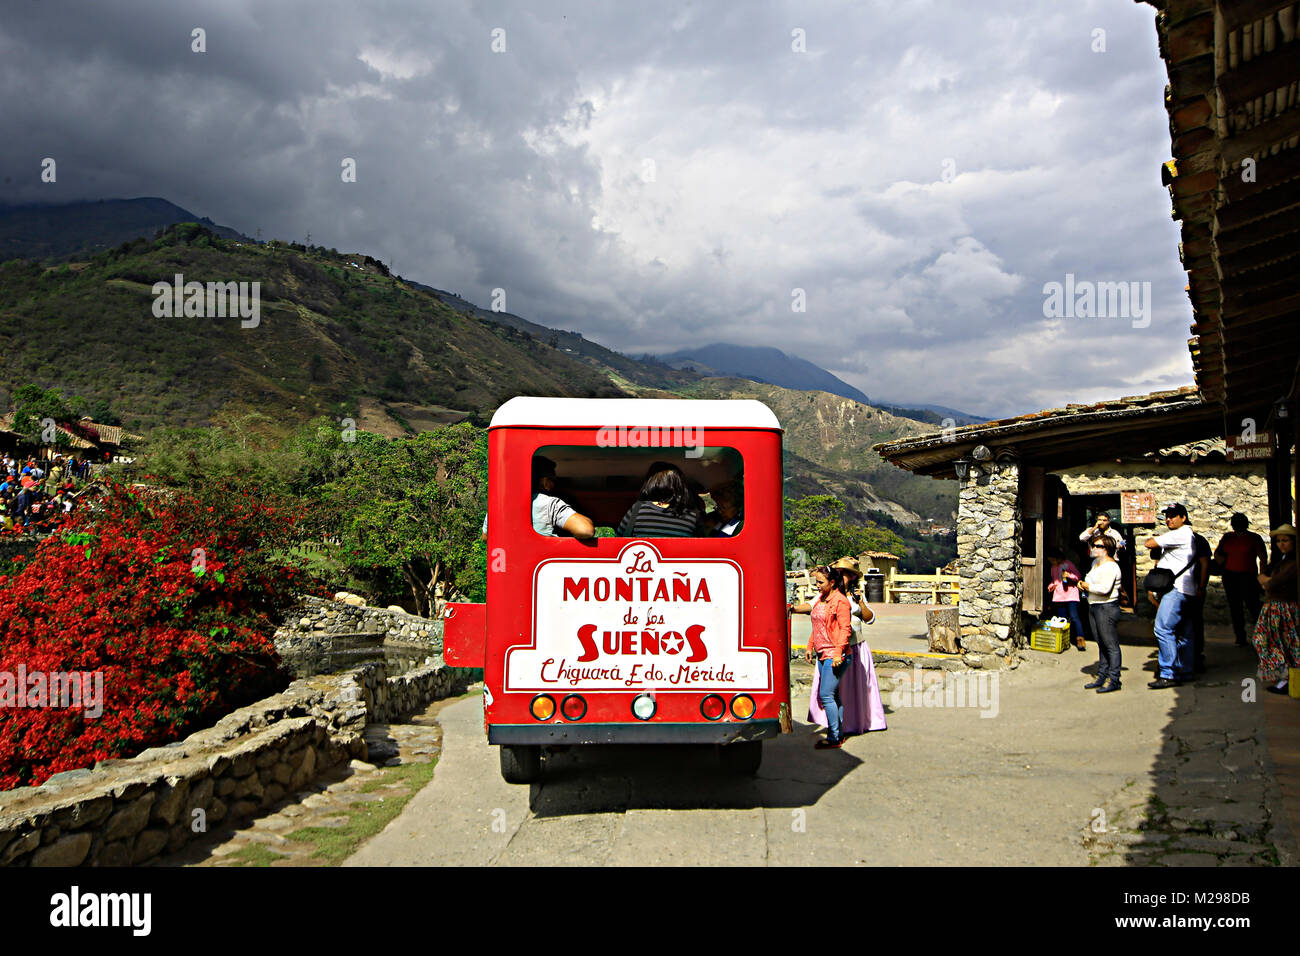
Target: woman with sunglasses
[[1102, 587]]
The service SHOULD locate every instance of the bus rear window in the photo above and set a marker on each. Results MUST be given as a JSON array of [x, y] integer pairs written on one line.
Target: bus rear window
[[638, 492]]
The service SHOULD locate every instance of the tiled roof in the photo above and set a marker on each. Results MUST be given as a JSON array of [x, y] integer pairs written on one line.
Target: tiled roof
[[1193, 450], [104, 434], [1074, 434], [110, 434]]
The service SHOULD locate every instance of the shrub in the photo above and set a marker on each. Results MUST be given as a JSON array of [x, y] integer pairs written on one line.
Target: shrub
[[172, 598]]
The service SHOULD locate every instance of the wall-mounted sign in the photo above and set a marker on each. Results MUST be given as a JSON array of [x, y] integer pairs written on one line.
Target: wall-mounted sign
[[1137, 507], [1259, 448]]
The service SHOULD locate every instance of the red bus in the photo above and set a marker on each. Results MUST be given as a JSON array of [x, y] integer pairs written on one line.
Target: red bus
[[608, 639]]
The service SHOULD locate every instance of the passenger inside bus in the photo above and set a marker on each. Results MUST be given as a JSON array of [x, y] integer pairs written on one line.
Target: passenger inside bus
[[552, 515], [665, 508], [729, 516], [650, 492]]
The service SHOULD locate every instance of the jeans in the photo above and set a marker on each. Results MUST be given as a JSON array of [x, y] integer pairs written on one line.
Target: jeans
[[828, 693], [1174, 636], [1241, 588], [1105, 617]]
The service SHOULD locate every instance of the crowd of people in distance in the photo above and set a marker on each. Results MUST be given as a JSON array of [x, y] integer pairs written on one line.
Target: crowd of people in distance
[[32, 498], [1253, 583]]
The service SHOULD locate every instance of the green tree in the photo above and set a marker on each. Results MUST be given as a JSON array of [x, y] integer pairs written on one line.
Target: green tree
[[814, 525], [414, 505], [35, 408]]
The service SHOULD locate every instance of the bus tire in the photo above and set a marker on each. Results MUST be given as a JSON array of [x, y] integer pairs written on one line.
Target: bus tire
[[521, 763], [742, 758]]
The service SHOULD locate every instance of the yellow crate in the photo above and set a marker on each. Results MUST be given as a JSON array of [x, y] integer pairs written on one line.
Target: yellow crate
[[1049, 639]]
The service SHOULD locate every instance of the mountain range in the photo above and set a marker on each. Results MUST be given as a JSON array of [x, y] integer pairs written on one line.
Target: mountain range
[[761, 363], [339, 335]]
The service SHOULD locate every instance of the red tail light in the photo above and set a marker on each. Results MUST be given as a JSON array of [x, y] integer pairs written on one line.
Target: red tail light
[[713, 707], [573, 707]]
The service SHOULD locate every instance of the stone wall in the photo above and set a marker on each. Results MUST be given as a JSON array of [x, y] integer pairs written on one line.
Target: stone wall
[[305, 624], [128, 811], [1211, 492], [988, 563]]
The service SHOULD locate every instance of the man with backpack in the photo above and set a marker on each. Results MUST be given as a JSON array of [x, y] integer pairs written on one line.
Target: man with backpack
[[1174, 587]]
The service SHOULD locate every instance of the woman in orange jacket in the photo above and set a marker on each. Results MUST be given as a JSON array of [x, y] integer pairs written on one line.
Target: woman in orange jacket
[[831, 631]]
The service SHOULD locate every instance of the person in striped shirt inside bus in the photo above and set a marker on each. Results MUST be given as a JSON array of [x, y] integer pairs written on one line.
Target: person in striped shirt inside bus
[[665, 508]]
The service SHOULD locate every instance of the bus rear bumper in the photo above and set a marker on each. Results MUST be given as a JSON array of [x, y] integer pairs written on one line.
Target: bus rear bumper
[[637, 733]]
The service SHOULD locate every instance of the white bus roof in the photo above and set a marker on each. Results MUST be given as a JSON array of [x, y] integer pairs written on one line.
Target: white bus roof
[[613, 412]]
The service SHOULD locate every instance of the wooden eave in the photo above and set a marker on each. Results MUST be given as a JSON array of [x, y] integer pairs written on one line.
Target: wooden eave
[[1233, 95], [1063, 439]]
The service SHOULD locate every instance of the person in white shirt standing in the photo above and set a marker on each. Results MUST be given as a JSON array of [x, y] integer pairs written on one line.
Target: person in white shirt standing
[[1173, 627], [1101, 525], [1102, 587]]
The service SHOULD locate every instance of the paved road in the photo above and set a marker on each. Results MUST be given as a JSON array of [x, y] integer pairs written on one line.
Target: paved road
[[942, 785]]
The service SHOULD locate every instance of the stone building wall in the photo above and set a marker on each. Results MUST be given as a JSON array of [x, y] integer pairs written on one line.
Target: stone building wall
[[1211, 492], [988, 560]]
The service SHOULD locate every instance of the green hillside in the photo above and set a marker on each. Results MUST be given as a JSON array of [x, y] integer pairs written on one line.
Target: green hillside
[[332, 338], [340, 336]]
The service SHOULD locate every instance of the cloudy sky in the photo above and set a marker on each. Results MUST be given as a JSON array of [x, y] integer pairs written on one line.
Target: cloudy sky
[[658, 175]]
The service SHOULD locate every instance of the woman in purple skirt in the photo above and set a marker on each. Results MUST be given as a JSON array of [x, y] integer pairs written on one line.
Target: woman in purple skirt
[[863, 710]]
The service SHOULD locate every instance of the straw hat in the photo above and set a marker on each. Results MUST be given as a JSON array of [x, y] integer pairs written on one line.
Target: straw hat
[[848, 564], [1286, 529]]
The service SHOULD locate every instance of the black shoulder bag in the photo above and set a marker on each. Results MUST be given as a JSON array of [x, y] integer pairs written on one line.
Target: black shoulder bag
[[1160, 581]]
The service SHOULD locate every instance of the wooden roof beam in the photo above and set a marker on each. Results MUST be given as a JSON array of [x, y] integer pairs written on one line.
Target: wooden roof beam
[[1270, 172], [1280, 278], [1264, 74], [1274, 227], [1261, 310], [1277, 357], [1237, 13], [1282, 248], [1257, 139], [1259, 206]]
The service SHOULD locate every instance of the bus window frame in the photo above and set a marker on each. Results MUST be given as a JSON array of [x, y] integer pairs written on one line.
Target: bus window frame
[[664, 453]]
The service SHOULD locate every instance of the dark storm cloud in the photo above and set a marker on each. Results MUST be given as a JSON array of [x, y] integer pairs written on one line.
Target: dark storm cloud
[[657, 175]]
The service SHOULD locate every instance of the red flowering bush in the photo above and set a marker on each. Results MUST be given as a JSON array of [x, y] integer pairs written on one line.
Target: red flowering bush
[[172, 598]]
